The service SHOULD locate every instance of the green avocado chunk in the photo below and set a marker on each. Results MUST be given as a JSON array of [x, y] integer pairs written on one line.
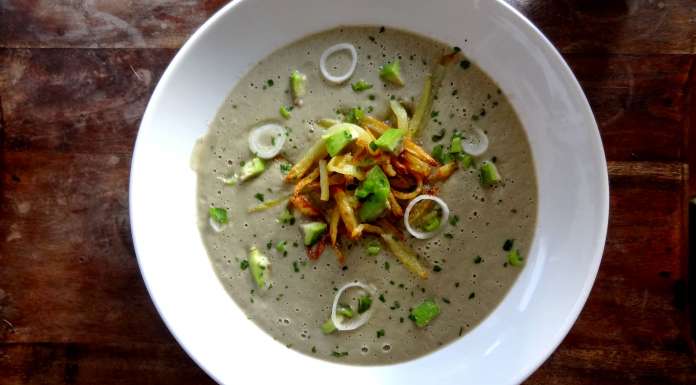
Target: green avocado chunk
[[251, 169], [425, 312], [391, 72], [391, 140], [489, 173], [312, 232], [258, 265], [337, 141], [374, 190]]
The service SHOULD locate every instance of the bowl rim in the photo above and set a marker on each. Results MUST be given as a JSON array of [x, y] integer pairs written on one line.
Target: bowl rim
[[602, 207]]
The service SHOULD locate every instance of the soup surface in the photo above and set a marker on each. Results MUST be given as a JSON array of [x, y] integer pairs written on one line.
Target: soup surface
[[468, 261]]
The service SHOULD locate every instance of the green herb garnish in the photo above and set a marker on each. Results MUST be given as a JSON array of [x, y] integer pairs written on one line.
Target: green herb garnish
[[285, 168], [438, 137], [364, 303], [380, 333], [454, 220]]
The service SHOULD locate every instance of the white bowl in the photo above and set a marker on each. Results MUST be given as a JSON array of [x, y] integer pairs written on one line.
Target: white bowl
[[573, 192]]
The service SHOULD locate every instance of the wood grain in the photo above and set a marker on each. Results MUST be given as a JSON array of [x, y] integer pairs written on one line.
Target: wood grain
[[640, 102], [78, 101], [101, 23], [75, 78], [615, 26], [632, 329], [103, 364], [574, 26]]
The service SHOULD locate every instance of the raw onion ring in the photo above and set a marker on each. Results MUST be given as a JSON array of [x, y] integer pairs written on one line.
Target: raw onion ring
[[361, 319], [331, 50], [443, 217], [263, 133], [476, 148]]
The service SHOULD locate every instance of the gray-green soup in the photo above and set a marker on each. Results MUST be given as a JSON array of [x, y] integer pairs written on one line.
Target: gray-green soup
[[471, 261]]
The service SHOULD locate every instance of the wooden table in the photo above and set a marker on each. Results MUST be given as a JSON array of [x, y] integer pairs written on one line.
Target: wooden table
[[75, 78]]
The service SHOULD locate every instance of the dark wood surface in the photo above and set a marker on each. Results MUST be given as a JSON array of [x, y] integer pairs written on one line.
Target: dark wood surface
[[75, 78]]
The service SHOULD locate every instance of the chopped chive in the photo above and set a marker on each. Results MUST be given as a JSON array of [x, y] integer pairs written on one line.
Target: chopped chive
[[380, 333], [438, 137], [244, 264], [259, 197], [285, 168], [454, 220], [507, 246], [364, 303]]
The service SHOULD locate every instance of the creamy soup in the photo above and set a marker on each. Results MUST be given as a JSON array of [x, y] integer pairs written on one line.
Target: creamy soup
[[471, 258]]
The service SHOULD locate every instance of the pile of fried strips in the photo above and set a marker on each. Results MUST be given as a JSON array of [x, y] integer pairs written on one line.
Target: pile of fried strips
[[323, 185]]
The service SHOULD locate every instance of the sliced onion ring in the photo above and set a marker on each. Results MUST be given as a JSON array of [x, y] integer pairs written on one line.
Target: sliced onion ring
[[443, 217], [261, 142], [477, 147], [361, 319], [330, 51]]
